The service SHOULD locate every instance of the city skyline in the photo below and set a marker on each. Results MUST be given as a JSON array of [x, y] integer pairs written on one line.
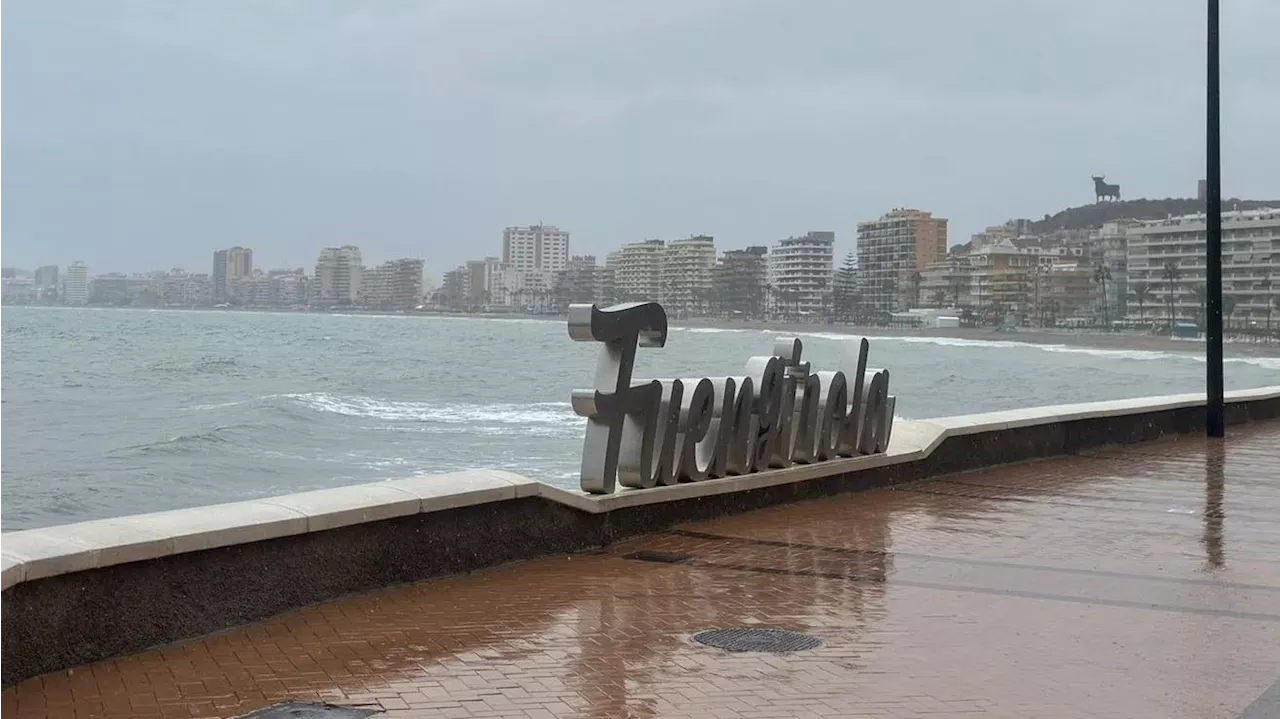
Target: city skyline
[[157, 132], [1117, 268]]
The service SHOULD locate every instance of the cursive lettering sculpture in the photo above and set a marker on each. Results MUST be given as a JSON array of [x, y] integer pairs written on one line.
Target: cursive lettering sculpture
[[780, 412]]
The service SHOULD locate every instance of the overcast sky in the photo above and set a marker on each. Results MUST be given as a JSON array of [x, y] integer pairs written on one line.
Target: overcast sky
[[143, 135]]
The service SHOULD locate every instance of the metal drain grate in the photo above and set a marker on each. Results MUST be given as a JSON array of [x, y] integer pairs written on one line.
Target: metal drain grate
[[306, 710], [777, 641]]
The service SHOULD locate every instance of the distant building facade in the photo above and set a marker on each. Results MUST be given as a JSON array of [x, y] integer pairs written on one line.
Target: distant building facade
[[802, 272], [289, 288], [637, 270], [894, 248], [75, 290], [394, 285], [1167, 258], [180, 288], [18, 290], [1110, 249], [47, 277], [582, 282], [739, 282], [120, 290], [454, 289], [339, 271], [229, 265], [536, 249], [686, 267]]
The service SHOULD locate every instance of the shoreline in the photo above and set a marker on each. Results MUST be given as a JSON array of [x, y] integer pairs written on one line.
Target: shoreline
[[1070, 338], [1093, 340]]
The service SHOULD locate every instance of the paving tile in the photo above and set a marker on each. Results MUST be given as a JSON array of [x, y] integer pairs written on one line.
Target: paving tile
[[1134, 581]]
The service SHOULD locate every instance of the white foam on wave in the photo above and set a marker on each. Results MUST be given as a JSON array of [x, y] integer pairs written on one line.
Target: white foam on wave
[[708, 330], [545, 413], [1265, 362], [236, 403]]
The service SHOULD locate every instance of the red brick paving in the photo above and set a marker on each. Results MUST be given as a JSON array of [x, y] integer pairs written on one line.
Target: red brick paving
[[1133, 582]]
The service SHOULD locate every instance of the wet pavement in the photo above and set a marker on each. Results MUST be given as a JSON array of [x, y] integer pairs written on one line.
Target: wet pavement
[[1132, 582]]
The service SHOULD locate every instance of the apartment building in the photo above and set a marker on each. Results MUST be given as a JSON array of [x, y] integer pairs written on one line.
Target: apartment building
[[288, 288], [686, 274], [455, 288], [46, 277], [677, 273], [582, 282], [75, 288], [739, 282], [339, 272], [229, 265], [637, 270], [393, 285], [801, 274], [892, 249], [536, 248], [1166, 262], [503, 284], [179, 288], [1016, 277], [1110, 249]]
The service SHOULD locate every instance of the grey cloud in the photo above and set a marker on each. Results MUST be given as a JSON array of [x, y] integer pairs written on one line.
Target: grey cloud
[[145, 134]]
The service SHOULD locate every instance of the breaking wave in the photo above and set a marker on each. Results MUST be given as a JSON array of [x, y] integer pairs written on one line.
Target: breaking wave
[[544, 413], [183, 443]]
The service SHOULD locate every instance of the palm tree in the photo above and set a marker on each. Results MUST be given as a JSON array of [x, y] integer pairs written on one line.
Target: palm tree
[[915, 279], [1141, 293], [1036, 275], [939, 298], [891, 291], [1228, 307], [1275, 302], [844, 287], [1170, 274], [824, 297], [1101, 274]]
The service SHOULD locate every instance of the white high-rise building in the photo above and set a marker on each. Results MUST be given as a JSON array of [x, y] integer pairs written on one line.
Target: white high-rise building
[[537, 248], [339, 271], [75, 289], [801, 273], [394, 285], [637, 270], [686, 274], [1166, 264], [677, 273], [501, 283]]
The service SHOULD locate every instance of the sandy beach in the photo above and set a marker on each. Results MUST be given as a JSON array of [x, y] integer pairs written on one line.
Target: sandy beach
[[1073, 338]]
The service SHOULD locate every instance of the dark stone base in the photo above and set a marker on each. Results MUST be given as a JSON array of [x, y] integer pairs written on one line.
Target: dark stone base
[[73, 619]]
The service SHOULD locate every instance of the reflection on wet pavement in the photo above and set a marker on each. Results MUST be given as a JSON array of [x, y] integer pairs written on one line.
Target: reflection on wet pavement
[[1131, 582]]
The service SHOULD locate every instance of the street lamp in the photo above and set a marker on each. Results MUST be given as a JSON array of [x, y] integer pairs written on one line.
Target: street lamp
[[1214, 406]]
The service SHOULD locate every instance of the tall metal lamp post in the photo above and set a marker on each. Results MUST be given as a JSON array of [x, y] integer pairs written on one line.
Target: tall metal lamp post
[[1214, 409]]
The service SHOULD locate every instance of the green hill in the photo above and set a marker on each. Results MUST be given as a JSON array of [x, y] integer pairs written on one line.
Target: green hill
[[1089, 216]]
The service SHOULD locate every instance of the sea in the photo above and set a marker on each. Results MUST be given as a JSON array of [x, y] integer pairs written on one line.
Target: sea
[[108, 412]]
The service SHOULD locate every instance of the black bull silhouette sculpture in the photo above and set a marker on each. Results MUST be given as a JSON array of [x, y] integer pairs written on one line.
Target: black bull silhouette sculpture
[[1103, 191]]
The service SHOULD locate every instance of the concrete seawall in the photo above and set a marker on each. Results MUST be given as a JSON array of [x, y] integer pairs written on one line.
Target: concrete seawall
[[78, 593]]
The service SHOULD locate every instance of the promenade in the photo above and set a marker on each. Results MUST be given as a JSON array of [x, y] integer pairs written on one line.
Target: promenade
[[1141, 581]]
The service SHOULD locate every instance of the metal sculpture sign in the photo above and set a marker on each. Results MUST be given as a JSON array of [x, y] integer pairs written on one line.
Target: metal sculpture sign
[[778, 412]]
